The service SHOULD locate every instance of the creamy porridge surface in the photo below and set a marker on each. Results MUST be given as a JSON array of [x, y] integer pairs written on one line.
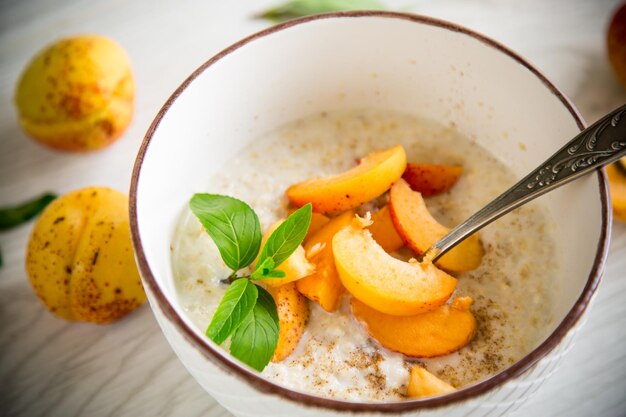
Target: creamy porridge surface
[[335, 358]]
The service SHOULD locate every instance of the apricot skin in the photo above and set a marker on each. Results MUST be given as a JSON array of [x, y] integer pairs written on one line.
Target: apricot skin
[[424, 384], [293, 316], [385, 283], [77, 94], [616, 44], [368, 180], [436, 333], [617, 184], [80, 259], [324, 286], [317, 222], [431, 179], [420, 230]]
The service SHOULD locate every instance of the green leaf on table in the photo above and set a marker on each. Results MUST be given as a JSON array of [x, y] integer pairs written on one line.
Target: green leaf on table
[[233, 226], [255, 340], [236, 305], [299, 8], [14, 216], [286, 238]]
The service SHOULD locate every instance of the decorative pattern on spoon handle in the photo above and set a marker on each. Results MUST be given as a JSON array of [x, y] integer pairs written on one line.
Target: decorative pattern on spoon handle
[[604, 139], [600, 144]]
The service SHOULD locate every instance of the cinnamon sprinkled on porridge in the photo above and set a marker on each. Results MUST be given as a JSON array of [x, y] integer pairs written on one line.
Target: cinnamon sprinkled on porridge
[[336, 358]]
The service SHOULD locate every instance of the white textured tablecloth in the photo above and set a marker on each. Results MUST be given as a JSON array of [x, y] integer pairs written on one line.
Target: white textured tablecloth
[[50, 367]]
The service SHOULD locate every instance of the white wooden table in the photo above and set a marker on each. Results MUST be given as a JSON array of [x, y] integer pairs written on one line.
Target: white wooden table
[[51, 367]]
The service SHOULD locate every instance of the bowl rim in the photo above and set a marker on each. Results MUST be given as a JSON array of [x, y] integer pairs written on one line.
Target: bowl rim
[[254, 379]]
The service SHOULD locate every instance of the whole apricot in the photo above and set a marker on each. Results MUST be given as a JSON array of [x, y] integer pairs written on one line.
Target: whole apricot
[[616, 43], [80, 259], [77, 94]]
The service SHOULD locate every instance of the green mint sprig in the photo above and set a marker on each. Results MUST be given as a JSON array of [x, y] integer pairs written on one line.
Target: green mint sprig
[[247, 312], [300, 8]]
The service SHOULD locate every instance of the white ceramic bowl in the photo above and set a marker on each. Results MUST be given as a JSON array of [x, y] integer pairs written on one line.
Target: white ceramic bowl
[[407, 63]]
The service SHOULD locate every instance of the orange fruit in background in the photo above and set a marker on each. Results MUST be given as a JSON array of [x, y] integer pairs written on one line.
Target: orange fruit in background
[[77, 94], [80, 258], [617, 182], [616, 43]]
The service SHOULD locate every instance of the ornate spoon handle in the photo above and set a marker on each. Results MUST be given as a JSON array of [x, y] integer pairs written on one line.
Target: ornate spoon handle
[[600, 144]]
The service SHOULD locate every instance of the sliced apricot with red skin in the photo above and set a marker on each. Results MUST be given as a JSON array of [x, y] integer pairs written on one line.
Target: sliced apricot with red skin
[[431, 179], [420, 230], [436, 333]]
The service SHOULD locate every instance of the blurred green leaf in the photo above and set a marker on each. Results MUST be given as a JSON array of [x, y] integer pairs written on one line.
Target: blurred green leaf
[[300, 8], [14, 216]]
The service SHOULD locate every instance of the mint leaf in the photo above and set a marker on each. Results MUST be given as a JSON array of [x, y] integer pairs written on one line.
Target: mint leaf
[[263, 269], [300, 8], [254, 342], [236, 305], [276, 273], [14, 216], [266, 270], [287, 237], [233, 226]]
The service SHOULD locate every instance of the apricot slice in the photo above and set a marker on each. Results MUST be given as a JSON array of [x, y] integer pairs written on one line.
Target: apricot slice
[[424, 384], [317, 222], [385, 283], [324, 286], [293, 316], [384, 232], [617, 184], [296, 266], [420, 230], [368, 180], [439, 332], [431, 179]]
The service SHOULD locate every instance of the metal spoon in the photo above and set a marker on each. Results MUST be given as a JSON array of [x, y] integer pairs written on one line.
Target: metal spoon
[[598, 145]]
